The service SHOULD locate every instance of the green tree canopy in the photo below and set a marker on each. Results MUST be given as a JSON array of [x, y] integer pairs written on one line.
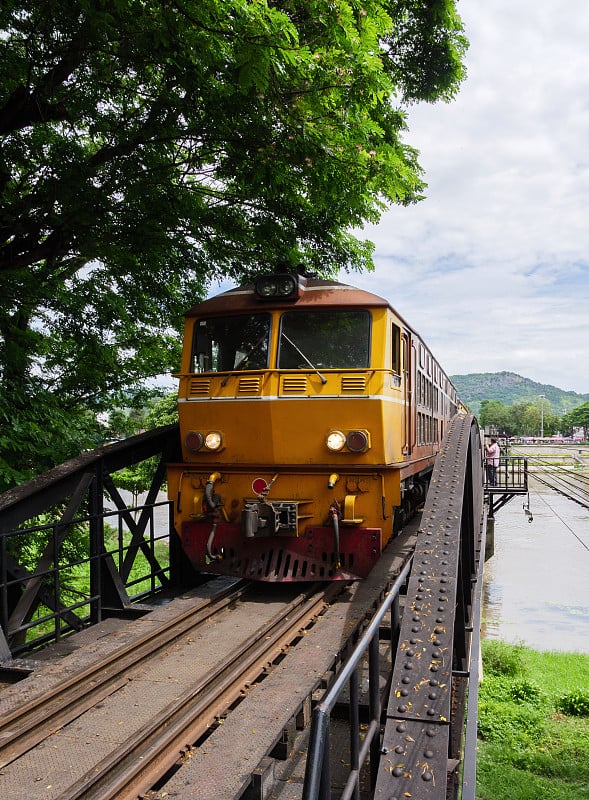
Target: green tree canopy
[[577, 418], [147, 148], [519, 419]]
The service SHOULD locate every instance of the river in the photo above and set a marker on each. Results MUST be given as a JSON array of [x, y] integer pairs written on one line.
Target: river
[[536, 587]]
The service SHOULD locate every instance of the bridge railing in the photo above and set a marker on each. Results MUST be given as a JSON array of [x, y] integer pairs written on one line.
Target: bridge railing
[[364, 740], [66, 561], [512, 475]]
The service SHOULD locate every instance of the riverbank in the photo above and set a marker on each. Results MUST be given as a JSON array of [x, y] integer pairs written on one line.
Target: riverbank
[[533, 742]]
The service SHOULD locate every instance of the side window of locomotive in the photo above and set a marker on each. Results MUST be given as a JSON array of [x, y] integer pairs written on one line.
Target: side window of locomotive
[[396, 349], [324, 339], [222, 344]]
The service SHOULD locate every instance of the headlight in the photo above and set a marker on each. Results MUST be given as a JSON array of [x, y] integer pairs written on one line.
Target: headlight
[[194, 440], [336, 441], [213, 440], [285, 286], [358, 441], [266, 287]]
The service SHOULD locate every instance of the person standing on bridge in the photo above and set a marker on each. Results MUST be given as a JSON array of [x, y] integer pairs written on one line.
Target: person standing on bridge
[[492, 454]]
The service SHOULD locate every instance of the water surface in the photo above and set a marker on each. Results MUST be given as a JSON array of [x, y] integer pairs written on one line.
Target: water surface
[[536, 588]]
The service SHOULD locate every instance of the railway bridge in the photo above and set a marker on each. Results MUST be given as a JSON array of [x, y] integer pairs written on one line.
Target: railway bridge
[[125, 674]]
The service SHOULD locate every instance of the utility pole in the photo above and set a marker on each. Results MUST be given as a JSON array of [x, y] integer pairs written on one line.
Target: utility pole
[[542, 397]]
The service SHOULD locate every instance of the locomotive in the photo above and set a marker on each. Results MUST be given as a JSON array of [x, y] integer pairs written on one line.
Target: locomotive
[[310, 417]]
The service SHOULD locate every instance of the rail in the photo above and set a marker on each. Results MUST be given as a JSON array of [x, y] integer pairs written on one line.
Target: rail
[[66, 562]]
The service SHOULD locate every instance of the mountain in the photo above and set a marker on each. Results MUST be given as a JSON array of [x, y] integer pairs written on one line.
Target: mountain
[[510, 388]]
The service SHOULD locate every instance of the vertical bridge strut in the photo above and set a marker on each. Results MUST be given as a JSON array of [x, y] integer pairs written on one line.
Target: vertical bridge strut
[[422, 742]]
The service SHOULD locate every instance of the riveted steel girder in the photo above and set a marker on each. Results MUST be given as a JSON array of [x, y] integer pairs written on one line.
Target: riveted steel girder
[[422, 708]]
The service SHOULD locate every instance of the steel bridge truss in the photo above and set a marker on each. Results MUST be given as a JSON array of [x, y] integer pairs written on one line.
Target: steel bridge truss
[[68, 588]]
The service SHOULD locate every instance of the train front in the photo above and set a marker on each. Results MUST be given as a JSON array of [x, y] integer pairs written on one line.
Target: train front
[[282, 419]]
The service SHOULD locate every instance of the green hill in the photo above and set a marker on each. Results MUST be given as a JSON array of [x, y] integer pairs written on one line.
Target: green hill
[[510, 388]]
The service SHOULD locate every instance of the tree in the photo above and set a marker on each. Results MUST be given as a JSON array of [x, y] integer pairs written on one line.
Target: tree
[[148, 148], [495, 414], [537, 418], [519, 419], [137, 478], [577, 418]]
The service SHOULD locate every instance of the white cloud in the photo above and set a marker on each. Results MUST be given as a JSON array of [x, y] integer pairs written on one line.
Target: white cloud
[[493, 267]]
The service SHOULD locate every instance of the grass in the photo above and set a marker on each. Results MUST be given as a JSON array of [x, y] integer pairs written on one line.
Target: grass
[[528, 748]]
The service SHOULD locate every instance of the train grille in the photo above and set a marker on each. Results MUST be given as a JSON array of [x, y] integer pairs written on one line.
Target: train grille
[[249, 384], [294, 384], [199, 387], [353, 383]]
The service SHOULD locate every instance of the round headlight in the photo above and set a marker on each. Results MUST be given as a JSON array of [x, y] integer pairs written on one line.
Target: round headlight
[[336, 441], [194, 440], [266, 287], [357, 441], [213, 440], [285, 285]]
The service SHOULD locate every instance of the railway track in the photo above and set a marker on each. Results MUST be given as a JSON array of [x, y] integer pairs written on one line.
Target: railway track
[[194, 693], [569, 482], [75, 712], [28, 723]]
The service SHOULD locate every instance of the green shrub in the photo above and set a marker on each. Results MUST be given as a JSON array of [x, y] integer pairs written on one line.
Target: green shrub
[[575, 703], [499, 723], [524, 691], [500, 658]]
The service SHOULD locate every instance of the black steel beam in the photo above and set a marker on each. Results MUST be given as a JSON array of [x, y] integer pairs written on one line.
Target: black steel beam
[[433, 640]]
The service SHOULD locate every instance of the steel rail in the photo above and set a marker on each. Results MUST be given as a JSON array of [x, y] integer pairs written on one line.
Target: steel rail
[[133, 768], [33, 721]]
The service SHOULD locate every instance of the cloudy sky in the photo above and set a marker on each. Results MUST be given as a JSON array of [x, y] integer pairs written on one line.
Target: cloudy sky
[[492, 268]]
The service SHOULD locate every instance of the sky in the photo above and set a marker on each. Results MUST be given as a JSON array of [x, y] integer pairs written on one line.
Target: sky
[[492, 268]]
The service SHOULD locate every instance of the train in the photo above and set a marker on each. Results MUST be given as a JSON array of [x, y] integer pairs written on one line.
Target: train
[[310, 418]]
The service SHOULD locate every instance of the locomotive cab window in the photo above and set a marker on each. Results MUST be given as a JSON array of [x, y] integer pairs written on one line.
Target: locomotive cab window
[[327, 339], [396, 349], [223, 344]]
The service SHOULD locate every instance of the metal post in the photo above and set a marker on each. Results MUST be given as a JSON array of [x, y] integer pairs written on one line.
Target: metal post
[[96, 523], [5, 652], [395, 628], [318, 763], [355, 732], [374, 703]]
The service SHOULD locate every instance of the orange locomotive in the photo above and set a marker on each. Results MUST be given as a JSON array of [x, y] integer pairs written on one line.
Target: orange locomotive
[[310, 418]]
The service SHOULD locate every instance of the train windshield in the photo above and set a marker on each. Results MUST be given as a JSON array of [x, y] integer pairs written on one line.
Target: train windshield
[[324, 339], [223, 344]]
